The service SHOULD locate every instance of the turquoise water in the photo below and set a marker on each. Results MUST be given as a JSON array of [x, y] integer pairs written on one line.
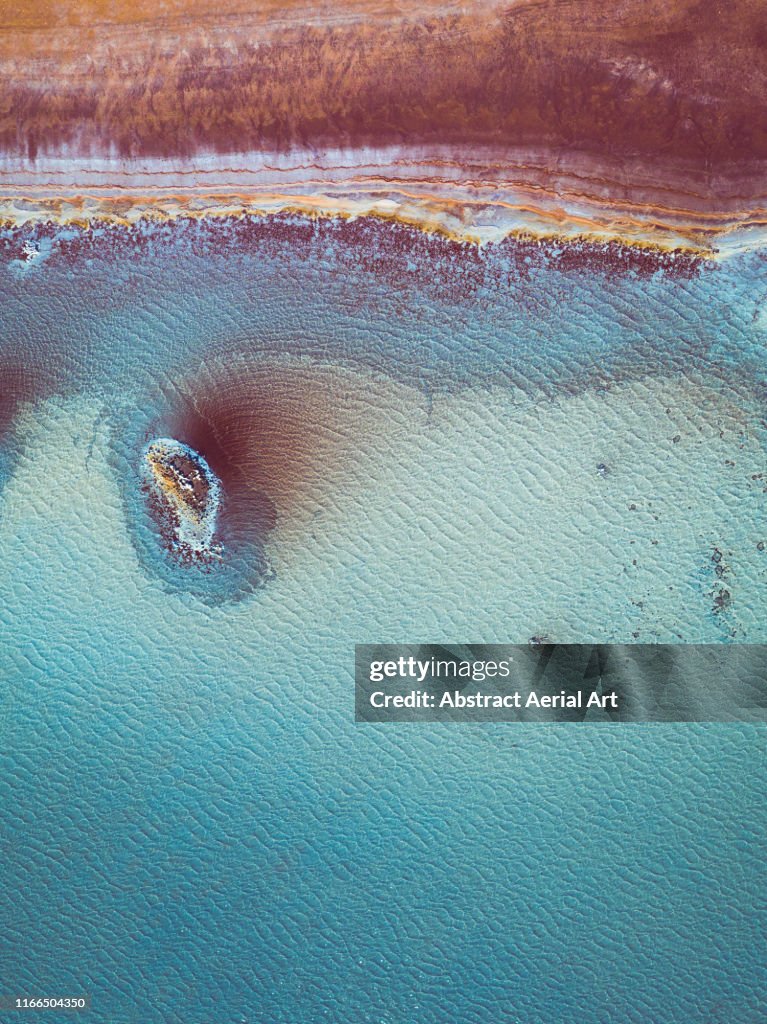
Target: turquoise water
[[193, 828]]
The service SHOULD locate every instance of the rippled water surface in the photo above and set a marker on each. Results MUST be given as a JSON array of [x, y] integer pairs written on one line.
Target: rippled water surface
[[415, 443]]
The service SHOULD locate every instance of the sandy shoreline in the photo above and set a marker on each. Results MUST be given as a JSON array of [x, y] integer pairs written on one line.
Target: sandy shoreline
[[481, 199]]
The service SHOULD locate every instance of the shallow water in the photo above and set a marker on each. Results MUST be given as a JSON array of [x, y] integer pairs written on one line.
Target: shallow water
[[193, 827]]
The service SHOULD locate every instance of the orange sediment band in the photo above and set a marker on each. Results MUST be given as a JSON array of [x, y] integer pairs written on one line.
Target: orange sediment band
[[473, 218]]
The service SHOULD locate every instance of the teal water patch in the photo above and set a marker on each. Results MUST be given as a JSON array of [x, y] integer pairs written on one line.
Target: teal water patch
[[192, 826]]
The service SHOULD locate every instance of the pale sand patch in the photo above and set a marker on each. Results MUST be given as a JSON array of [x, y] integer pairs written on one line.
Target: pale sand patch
[[486, 519]]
